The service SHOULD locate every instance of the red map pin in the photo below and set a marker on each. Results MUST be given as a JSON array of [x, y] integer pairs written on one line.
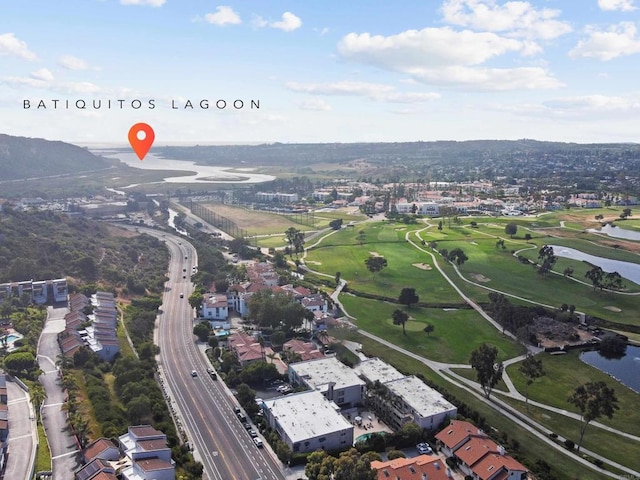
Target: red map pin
[[141, 137]]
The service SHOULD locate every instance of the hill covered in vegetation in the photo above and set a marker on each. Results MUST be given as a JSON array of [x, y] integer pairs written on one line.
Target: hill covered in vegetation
[[45, 245], [22, 157]]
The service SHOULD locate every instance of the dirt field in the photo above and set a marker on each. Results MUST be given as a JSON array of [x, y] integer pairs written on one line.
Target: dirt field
[[256, 222]]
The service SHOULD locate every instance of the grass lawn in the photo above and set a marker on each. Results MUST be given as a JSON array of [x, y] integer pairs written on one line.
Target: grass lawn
[[43, 458], [470, 374], [457, 332], [566, 372], [597, 440], [495, 268], [400, 272], [531, 448]]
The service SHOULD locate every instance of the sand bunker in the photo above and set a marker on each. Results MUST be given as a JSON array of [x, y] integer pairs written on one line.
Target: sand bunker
[[312, 262], [422, 266], [375, 254], [613, 309], [478, 277]]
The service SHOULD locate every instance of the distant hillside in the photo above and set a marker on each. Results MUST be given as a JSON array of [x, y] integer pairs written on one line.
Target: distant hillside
[[22, 157]]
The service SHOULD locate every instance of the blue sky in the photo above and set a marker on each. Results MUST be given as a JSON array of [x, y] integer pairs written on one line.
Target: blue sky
[[323, 71]]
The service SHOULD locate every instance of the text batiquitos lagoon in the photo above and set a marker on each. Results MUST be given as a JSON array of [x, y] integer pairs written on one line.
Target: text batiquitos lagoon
[[136, 104]]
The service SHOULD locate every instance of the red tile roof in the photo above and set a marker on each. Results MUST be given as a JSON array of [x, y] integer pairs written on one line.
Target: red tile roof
[[411, 468], [476, 448], [95, 448], [457, 432], [493, 463]]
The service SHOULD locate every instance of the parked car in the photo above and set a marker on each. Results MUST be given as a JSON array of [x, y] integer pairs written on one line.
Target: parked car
[[258, 442], [253, 433], [424, 449]]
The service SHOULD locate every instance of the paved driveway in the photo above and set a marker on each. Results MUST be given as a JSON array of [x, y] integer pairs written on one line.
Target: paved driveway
[[65, 453], [22, 434]]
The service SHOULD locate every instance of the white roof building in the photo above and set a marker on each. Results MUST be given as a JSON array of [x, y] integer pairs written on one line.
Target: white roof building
[[375, 369], [332, 378], [307, 421], [415, 401]]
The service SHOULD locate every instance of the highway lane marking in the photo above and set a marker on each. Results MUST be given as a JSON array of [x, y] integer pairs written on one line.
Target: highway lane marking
[[68, 454]]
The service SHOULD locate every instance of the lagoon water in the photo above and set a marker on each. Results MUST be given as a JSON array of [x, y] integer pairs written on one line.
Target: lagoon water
[[628, 270], [616, 232], [199, 173], [626, 369]]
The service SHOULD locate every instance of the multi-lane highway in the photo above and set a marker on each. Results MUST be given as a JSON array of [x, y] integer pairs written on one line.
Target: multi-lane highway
[[204, 406]]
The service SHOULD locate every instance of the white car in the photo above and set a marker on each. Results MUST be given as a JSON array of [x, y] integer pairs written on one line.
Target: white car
[[258, 442], [424, 449]]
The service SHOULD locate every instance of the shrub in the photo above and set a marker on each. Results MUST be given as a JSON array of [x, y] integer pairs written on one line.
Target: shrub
[[569, 444]]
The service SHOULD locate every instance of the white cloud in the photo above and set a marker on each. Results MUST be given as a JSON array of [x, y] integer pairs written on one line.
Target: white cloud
[[224, 16], [72, 63], [445, 56], [373, 91], [288, 23], [259, 22], [42, 74], [616, 41], [495, 79], [315, 104], [596, 103], [621, 5], [151, 3], [43, 79], [10, 45], [515, 18]]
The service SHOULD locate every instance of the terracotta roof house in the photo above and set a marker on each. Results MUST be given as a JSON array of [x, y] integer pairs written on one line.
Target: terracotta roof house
[[456, 434], [95, 467], [478, 456], [102, 448], [416, 468], [306, 350]]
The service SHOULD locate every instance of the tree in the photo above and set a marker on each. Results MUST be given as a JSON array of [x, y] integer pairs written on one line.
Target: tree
[[295, 239], [531, 369], [428, 329], [195, 299], [593, 400], [595, 275], [408, 296], [458, 256], [375, 263], [613, 346], [546, 259], [488, 371], [38, 395], [511, 229], [361, 237], [202, 330], [338, 275], [336, 224], [400, 318]]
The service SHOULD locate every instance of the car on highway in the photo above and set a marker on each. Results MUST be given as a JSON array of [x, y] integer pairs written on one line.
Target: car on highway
[[182, 295], [258, 442], [424, 449], [212, 373], [253, 433], [194, 373]]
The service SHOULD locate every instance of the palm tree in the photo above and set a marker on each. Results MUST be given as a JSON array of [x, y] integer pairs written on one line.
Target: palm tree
[[38, 395]]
